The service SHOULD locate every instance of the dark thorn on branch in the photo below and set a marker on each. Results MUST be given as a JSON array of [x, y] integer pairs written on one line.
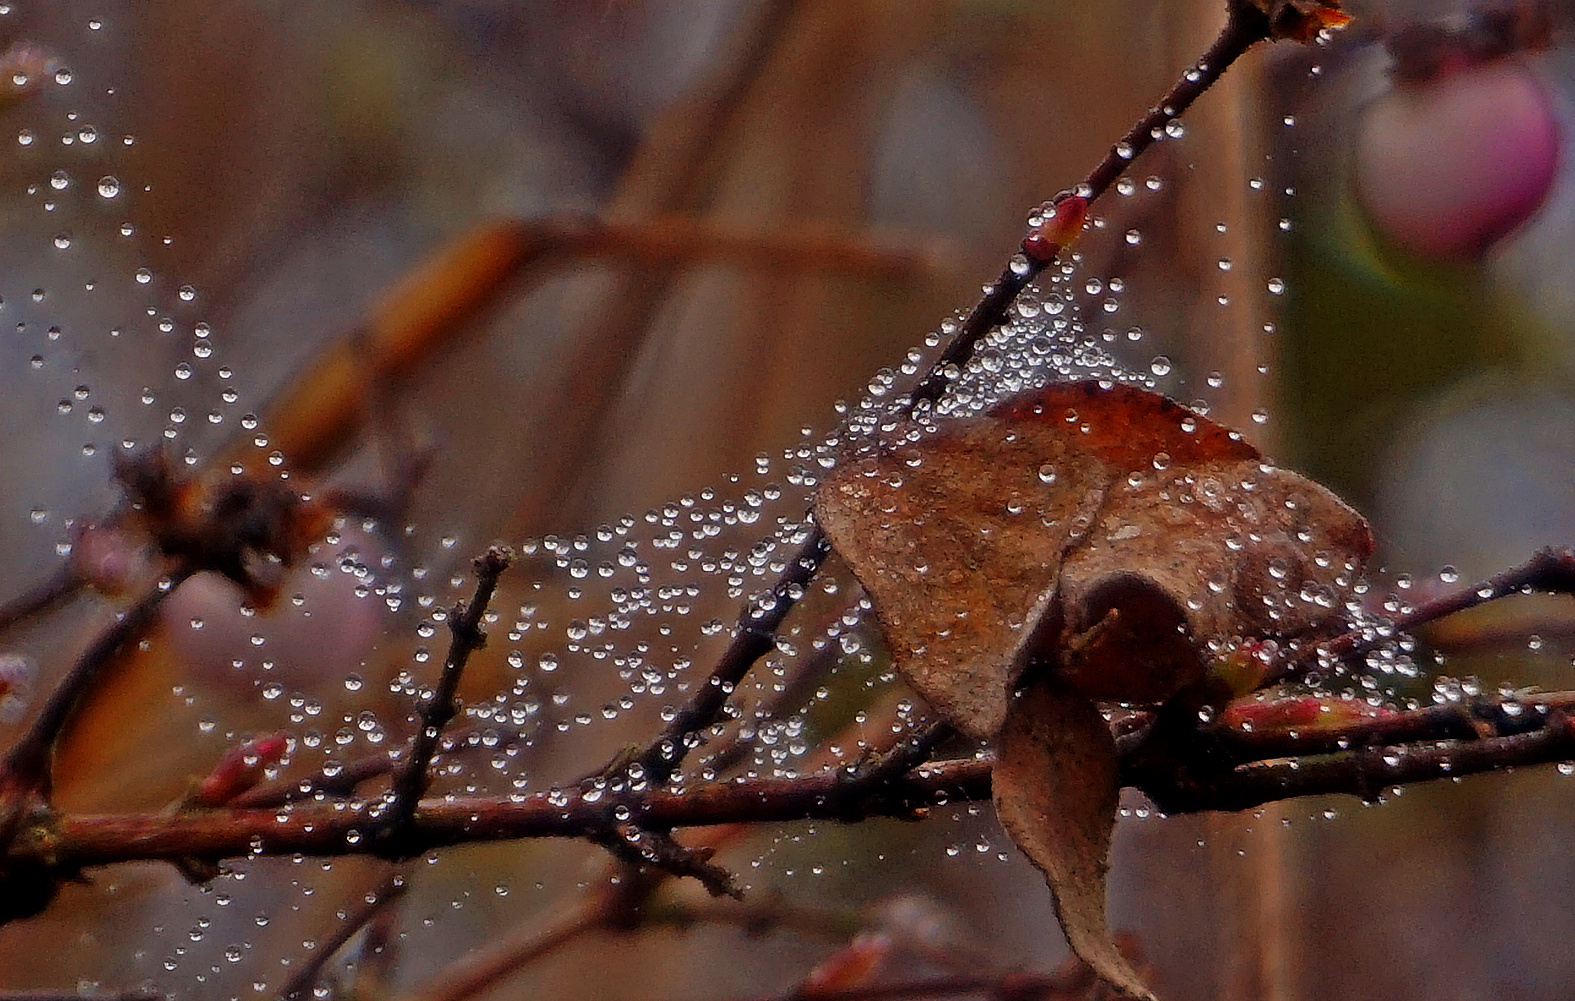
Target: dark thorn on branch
[[878, 769], [646, 849], [413, 777], [311, 972]]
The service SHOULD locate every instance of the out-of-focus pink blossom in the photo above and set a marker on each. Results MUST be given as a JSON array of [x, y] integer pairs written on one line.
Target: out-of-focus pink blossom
[[1448, 166]]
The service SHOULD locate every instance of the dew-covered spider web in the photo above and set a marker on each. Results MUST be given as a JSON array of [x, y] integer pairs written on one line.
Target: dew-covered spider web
[[163, 286]]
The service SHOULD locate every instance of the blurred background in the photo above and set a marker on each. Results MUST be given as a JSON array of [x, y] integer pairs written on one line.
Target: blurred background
[[590, 276]]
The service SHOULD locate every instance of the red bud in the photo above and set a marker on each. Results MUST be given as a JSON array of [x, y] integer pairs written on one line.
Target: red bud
[[240, 769]]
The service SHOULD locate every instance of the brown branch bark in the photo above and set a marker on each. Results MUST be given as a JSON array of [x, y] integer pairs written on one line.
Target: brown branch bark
[[1208, 775]]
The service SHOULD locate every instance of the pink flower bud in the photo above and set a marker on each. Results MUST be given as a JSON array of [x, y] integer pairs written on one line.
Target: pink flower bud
[[241, 768]]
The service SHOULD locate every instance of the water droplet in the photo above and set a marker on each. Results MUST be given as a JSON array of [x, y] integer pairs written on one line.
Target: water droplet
[[108, 186], [1160, 366]]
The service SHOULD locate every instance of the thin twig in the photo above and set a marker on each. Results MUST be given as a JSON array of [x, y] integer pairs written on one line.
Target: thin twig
[[605, 912], [335, 782], [808, 670], [64, 584], [342, 780], [1244, 27], [996, 986], [644, 849], [311, 972], [1550, 570], [479, 970], [1364, 773], [1497, 717], [517, 947], [753, 636], [411, 781], [25, 775], [880, 768]]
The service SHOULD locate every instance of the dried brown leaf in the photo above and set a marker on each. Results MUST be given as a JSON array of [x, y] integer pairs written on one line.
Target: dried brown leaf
[[1055, 783], [1091, 541], [1103, 528]]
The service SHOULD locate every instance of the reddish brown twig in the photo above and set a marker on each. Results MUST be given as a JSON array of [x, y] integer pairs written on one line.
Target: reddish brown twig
[[1187, 778], [753, 636], [633, 893], [992, 986], [481, 969], [1245, 26], [337, 782]]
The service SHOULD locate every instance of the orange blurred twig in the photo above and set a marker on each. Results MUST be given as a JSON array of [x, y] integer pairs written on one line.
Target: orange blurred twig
[[442, 299]]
